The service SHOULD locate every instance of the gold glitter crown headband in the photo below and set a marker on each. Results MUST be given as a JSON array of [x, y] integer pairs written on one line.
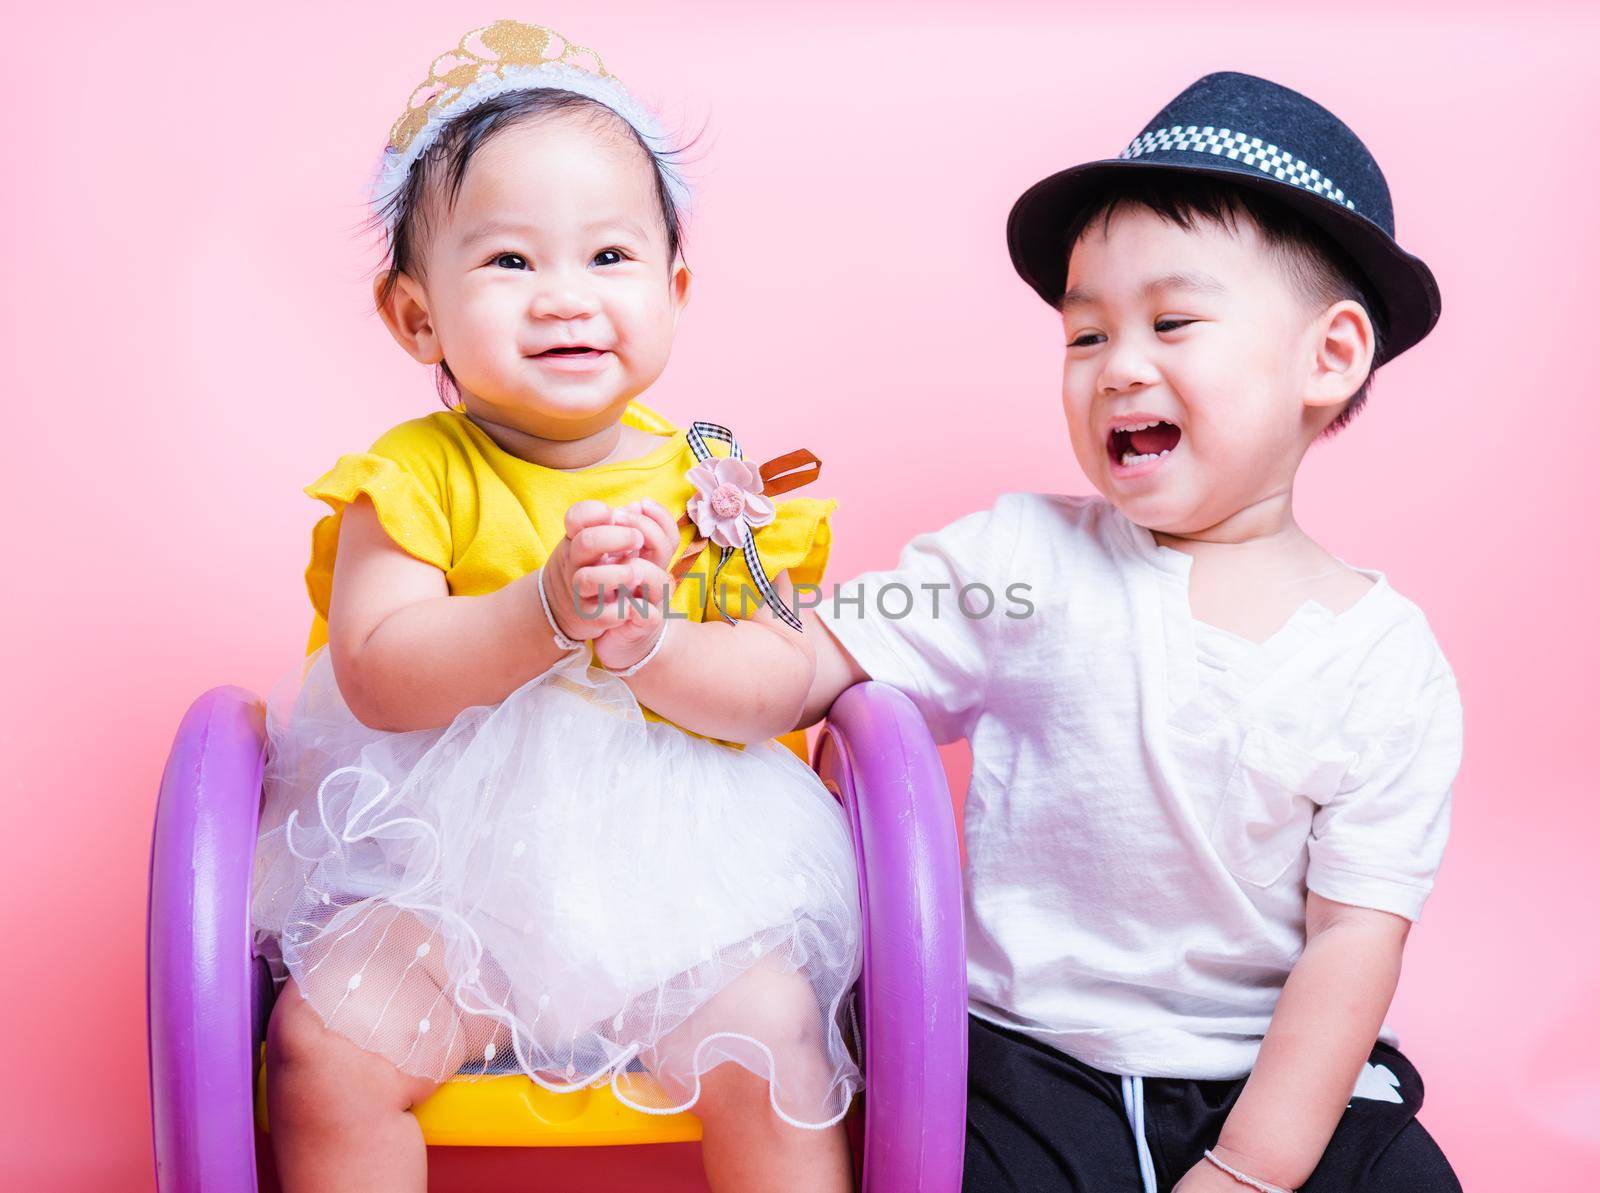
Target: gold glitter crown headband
[[490, 61]]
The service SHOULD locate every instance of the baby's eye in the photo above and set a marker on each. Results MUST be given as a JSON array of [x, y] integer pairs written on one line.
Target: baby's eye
[[610, 257], [1173, 324], [1085, 340], [521, 262]]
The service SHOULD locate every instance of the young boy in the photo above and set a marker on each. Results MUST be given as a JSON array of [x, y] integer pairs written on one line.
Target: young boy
[[1211, 761]]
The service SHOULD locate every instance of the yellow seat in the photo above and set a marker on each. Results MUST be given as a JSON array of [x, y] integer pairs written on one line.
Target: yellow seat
[[511, 1111]]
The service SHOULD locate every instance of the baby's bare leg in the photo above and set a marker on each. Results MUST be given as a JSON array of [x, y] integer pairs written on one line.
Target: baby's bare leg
[[339, 1113], [339, 1116], [746, 1147]]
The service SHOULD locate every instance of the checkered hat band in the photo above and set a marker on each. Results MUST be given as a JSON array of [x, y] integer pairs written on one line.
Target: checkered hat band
[[699, 432], [1239, 147]]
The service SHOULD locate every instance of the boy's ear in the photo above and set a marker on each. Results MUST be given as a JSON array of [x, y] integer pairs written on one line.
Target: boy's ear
[[405, 313], [1342, 353], [681, 277]]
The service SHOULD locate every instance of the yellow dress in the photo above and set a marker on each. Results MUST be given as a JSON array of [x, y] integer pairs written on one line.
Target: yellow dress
[[449, 495], [564, 883]]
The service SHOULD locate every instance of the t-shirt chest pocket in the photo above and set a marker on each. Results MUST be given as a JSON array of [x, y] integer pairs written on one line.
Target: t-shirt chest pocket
[[1264, 820]]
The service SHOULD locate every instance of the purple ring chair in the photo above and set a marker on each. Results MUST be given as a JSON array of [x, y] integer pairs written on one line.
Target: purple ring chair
[[209, 1001]]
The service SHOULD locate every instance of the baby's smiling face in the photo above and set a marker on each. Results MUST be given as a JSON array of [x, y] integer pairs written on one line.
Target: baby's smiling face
[[549, 287], [1196, 372]]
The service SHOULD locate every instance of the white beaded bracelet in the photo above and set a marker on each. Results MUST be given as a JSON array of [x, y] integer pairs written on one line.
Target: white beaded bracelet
[[649, 654], [1259, 1186], [562, 641]]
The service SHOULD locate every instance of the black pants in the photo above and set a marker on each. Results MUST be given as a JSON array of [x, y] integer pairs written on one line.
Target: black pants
[[1040, 1122]]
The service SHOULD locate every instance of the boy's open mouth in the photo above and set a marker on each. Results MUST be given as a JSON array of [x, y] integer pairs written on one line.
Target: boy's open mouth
[[1139, 443], [571, 350]]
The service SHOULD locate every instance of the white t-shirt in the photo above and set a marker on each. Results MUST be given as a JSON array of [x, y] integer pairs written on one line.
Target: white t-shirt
[[1151, 796]]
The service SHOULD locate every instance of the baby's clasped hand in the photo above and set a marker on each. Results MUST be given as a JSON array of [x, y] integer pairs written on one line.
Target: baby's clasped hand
[[607, 580]]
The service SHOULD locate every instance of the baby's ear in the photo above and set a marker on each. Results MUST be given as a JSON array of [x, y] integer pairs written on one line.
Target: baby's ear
[[403, 306], [1342, 353], [681, 277]]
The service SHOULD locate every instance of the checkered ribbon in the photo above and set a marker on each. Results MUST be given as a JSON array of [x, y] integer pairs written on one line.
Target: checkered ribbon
[[1239, 147], [699, 432]]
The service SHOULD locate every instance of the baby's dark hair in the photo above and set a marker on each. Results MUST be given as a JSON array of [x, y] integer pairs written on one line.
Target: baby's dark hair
[[1318, 267], [437, 176]]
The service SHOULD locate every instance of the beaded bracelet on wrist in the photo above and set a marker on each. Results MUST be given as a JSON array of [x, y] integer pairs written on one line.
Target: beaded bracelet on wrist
[[649, 654], [1259, 1186], [562, 641]]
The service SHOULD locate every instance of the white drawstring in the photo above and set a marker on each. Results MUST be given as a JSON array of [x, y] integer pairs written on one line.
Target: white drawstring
[[1133, 1107]]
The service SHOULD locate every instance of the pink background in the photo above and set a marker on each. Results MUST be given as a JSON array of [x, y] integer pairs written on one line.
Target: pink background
[[187, 335]]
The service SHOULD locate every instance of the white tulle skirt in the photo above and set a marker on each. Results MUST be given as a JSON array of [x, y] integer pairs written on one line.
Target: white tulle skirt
[[557, 886]]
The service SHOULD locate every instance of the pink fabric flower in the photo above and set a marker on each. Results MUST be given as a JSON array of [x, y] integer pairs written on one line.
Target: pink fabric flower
[[729, 497]]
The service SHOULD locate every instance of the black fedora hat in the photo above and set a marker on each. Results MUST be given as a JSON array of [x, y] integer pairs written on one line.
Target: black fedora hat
[[1257, 134]]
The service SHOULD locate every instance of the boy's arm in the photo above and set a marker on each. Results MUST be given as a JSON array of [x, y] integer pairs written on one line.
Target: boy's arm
[[1327, 1020], [923, 641], [836, 670]]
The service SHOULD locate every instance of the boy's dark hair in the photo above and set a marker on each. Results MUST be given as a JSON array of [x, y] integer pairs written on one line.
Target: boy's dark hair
[[1318, 267], [438, 174]]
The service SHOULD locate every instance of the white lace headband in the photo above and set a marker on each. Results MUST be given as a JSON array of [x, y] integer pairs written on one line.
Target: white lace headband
[[513, 57]]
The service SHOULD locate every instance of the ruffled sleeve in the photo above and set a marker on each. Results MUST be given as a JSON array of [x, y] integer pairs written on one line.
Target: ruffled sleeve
[[797, 540], [410, 514]]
